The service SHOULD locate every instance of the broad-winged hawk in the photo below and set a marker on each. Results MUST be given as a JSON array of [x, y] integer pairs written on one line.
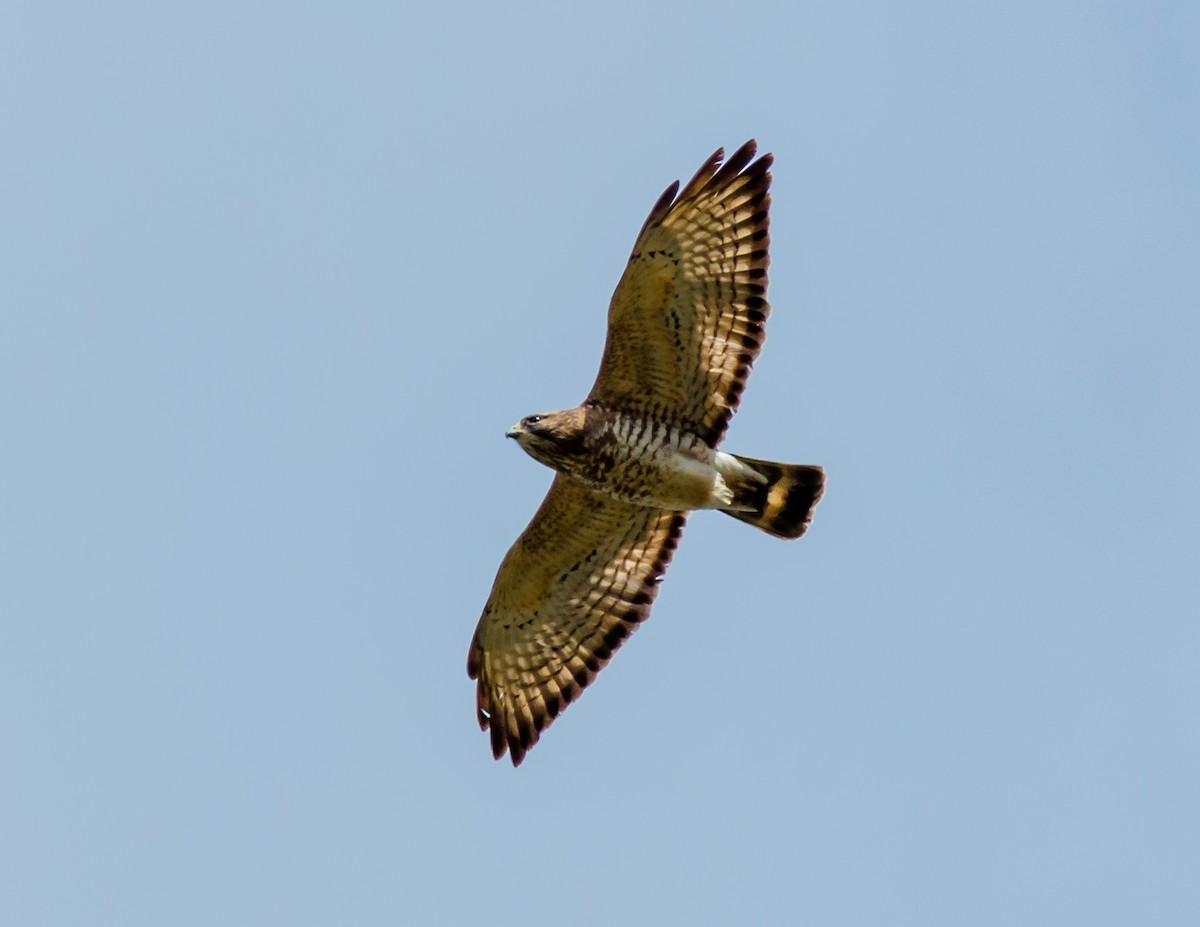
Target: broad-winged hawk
[[684, 326]]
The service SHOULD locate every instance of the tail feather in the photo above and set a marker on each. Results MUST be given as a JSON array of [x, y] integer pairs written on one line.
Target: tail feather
[[781, 505]]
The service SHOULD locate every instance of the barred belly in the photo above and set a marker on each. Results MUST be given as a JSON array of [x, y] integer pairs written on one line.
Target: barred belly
[[649, 462]]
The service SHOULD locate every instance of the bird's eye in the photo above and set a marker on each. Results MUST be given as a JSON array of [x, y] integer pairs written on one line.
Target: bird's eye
[[532, 419]]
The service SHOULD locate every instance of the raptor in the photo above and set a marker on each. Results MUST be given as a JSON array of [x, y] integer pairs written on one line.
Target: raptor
[[639, 453]]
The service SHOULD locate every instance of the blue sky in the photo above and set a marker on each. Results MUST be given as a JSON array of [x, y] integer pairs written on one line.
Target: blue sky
[[277, 277]]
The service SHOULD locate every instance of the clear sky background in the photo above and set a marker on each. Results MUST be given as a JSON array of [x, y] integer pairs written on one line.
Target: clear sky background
[[274, 280]]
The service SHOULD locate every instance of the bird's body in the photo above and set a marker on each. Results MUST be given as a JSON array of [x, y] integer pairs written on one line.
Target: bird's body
[[684, 327], [632, 458]]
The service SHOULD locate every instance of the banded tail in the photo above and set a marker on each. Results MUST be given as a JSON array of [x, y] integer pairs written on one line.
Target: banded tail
[[783, 504]]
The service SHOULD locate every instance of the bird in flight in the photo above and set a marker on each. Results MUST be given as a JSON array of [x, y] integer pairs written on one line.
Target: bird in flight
[[684, 327]]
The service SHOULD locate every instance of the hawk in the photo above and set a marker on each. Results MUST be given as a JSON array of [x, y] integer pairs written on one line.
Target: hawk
[[684, 326]]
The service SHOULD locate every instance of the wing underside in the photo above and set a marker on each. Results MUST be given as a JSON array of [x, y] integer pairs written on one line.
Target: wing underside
[[575, 584], [686, 321]]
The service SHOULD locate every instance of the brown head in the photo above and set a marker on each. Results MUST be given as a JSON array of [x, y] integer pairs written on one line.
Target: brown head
[[553, 438]]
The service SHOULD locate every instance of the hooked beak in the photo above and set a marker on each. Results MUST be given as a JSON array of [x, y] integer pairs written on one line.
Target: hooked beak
[[514, 432]]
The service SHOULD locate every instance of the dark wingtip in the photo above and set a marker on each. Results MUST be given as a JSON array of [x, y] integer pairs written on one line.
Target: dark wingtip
[[499, 745], [739, 159]]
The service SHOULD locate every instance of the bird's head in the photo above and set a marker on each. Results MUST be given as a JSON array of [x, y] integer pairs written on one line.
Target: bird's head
[[552, 438]]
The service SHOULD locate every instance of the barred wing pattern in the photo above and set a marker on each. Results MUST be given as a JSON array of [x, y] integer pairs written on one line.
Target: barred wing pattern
[[577, 581], [686, 320]]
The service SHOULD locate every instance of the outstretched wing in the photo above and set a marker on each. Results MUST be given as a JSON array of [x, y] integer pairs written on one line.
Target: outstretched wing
[[686, 321], [577, 581]]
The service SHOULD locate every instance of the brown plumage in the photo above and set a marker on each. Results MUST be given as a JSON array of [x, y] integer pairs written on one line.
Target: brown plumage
[[686, 320], [684, 327]]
